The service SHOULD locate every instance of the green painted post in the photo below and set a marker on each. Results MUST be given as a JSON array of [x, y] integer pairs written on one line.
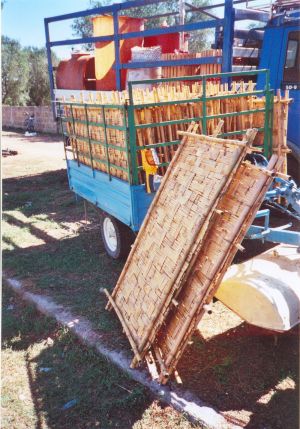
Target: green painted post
[[204, 113], [267, 140], [132, 137], [74, 135], [89, 137], [62, 129], [127, 142], [106, 143]]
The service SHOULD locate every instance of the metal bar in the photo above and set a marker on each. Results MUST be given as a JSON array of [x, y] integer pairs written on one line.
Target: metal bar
[[132, 136], [103, 10], [271, 121], [155, 145], [117, 66], [174, 29], [110, 106], [267, 116], [200, 77], [106, 143], [97, 124], [197, 100], [204, 119], [121, 6], [198, 118], [50, 66], [251, 14], [151, 32], [237, 133], [112, 146], [168, 63], [127, 140], [103, 161], [74, 135], [173, 122], [274, 235], [89, 138], [266, 214], [62, 130], [161, 15], [228, 31], [81, 41]]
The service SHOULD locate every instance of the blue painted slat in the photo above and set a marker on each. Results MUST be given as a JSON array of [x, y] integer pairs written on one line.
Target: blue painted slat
[[102, 10], [82, 40], [112, 196], [228, 34], [276, 235], [117, 51], [125, 202], [50, 66], [174, 29], [151, 32]]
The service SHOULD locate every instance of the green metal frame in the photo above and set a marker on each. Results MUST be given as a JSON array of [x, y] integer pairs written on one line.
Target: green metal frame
[[72, 120], [267, 110], [130, 128]]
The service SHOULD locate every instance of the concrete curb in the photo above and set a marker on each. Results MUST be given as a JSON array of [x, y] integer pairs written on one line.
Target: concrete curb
[[182, 400]]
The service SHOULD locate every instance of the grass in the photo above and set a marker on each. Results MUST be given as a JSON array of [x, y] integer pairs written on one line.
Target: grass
[[50, 380], [47, 244]]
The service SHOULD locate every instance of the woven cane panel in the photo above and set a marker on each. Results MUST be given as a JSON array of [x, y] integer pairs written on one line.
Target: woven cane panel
[[239, 204], [183, 204]]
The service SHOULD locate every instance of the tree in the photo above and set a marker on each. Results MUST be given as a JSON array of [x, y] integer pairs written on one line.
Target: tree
[[25, 78], [82, 27], [15, 73], [38, 84]]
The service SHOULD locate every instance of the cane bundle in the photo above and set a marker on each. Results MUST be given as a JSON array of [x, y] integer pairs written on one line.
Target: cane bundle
[[97, 140]]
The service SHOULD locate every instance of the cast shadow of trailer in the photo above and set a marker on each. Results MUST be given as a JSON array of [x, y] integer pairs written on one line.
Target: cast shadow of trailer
[[70, 385]]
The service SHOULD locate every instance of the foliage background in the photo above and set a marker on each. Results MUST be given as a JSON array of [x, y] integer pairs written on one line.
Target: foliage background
[[24, 74]]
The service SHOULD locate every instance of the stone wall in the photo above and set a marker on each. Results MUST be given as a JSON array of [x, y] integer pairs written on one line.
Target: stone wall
[[14, 117]]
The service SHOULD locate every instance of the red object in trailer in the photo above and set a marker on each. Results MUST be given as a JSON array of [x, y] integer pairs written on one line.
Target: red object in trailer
[[77, 72], [168, 42]]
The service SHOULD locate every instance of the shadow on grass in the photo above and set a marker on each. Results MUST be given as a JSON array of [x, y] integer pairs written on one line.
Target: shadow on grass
[[71, 386], [71, 269], [237, 369]]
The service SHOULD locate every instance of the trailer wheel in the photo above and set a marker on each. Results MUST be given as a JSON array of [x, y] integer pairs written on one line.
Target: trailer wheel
[[117, 237]]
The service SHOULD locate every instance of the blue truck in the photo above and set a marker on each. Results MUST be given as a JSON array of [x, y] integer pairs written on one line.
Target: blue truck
[[269, 53]]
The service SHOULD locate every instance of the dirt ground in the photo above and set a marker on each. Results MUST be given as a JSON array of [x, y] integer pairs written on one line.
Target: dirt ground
[[247, 373], [35, 154]]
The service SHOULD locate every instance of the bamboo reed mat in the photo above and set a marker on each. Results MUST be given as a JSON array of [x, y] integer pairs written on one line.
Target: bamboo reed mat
[[182, 207], [230, 222]]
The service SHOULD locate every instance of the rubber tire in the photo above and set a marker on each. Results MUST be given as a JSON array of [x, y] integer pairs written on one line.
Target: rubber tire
[[125, 238]]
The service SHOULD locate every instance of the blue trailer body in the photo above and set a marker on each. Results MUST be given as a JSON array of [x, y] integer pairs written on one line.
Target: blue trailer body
[[127, 203], [130, 203], [274, 57]]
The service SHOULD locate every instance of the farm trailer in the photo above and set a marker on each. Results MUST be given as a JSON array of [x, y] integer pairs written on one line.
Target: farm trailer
[[124, 203]]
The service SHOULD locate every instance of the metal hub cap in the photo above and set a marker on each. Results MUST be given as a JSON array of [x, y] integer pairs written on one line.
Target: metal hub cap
[[110, 234]]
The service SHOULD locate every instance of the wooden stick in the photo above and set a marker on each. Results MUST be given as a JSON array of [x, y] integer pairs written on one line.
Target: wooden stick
[[124, 324]]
